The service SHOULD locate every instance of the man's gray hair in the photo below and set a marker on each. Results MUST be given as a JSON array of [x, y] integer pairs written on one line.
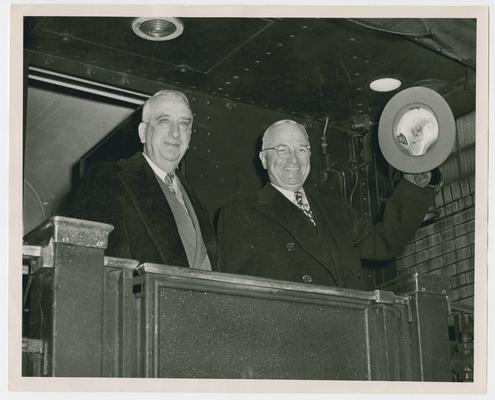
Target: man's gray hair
[[158, 95], [281, 122]]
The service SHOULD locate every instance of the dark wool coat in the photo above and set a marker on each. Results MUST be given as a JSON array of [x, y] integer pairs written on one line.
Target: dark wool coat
[[127, 195], [270, 237]]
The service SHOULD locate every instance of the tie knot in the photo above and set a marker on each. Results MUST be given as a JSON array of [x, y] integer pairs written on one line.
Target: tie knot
[[169, 178]]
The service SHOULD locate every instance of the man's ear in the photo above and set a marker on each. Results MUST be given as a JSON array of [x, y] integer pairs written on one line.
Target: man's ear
[[263, 159], [142, 132]]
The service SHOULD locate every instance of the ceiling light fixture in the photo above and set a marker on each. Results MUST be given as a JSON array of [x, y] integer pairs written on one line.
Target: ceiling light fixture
[[385, 84], [157, 28]]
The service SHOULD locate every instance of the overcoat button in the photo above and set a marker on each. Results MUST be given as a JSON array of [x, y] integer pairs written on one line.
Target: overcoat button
[[307, 279], [291, 246]]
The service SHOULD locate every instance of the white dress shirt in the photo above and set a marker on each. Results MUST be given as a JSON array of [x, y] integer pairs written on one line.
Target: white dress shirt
[[162, 174]]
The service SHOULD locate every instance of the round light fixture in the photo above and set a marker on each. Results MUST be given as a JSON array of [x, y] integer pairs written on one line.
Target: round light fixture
[[385, 84], [158, 28]]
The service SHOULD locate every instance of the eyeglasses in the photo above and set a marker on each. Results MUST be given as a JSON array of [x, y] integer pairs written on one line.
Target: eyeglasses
[[284, 152]]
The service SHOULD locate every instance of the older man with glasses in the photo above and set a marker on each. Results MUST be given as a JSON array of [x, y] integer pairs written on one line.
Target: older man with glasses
[[290, 233]]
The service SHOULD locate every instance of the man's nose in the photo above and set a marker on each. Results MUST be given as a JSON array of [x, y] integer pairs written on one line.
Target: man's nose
[[292, 156], [174, 130]]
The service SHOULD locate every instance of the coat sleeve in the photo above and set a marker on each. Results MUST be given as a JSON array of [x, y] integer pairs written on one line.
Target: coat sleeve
[[100, 199], [404, 212]]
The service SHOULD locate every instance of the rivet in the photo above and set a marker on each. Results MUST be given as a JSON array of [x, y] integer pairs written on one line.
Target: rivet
[[213, 92], [252, 102], [65, 38], [265, 105], [358, 89], [237, 98], [280, 44], [257, 61], [208, 133], [365, 198], [292, 36], [208, 117], [304, 27], [235, 77], [195, 114], [359, 104], [228, 83], [195, 148], [217, 166], [268, 53], [195, 130], [352, 39], [356, 73], [209, 150], [355, 57], [194, 99], [208, 102], [367, 61], [221, 179], [220, 88], [246, 69]]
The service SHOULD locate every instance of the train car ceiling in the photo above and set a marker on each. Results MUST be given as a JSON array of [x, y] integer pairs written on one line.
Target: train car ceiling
[[314, 67]]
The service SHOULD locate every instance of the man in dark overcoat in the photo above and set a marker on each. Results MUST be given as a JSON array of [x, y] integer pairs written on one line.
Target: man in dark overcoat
[[288, 232], [156, 216]]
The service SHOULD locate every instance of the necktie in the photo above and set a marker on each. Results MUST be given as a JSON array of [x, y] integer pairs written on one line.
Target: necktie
[[304, 206], [169, 182]]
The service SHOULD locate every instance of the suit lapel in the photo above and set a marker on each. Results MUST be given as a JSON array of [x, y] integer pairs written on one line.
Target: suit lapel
[[275, 206], [327, 233], [148, 198]]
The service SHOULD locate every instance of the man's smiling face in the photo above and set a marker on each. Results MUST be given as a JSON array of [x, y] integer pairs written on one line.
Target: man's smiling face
[[289, 167], [167, 133]]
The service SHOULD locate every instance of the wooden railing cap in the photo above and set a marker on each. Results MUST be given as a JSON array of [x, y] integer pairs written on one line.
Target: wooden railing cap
[[70, 231]]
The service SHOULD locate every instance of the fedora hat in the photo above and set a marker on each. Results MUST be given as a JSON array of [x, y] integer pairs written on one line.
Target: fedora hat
[[416, 132]]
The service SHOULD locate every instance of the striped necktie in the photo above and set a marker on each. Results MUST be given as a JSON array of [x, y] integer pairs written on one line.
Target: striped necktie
[[169, 182], [304, 206]]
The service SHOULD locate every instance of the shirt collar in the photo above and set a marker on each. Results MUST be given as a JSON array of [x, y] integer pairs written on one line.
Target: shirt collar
[[156, 169], [289, 194]]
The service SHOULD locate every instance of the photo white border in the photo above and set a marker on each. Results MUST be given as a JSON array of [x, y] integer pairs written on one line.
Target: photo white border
[[16, 382]]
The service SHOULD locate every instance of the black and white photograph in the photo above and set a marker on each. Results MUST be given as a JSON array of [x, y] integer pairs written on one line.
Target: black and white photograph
[[260, 196]]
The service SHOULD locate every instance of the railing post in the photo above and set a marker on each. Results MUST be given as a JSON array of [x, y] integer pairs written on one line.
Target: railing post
[[67, 295], [428, 320]]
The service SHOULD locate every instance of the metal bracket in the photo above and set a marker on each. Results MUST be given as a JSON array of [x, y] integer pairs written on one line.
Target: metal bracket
[[32, 345], [38, 256]]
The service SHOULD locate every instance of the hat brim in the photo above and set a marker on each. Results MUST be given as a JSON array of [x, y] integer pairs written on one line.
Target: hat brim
[[395, 108]]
